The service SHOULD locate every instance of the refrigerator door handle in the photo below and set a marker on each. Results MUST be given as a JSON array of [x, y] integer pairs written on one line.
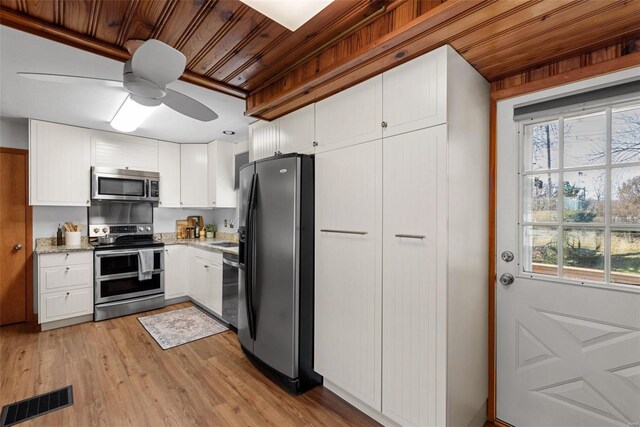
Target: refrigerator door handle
[[249, 268]]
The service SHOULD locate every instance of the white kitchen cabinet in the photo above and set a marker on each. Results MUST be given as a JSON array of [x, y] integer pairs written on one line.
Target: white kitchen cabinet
[[194, 176], [350, 117], [297, 131], [347, 349], [431, 298], [175, 267], [65, 288], [263, 139], [414, 94], [59, 165], [205, 278], [115, 150], [169, 169], [221, 155]]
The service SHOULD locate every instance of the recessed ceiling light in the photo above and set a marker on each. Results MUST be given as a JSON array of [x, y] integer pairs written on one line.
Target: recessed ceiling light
[[228, 132], [289, 13], [132, 113]]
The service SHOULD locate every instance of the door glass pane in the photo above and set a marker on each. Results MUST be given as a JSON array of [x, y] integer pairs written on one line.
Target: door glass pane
[[541, 146], [584, 196], [541, 198], [541, 250], [585, 140], [128, 285], [583, 254], [625, 257], [625, 134], [625, 195]]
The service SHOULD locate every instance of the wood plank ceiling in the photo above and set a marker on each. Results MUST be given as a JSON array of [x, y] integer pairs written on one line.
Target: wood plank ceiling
[[236, 50]]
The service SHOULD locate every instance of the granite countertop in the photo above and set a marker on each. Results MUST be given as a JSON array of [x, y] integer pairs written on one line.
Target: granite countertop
[[206, 244], [47, 245]]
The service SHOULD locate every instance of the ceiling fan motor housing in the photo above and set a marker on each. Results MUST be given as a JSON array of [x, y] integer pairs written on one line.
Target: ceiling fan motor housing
[[139, 86]]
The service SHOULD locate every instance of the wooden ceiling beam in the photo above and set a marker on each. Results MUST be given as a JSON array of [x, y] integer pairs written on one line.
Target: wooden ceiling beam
[[50, 31]]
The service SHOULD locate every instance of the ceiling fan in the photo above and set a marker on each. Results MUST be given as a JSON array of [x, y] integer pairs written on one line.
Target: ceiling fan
[[145, 76]]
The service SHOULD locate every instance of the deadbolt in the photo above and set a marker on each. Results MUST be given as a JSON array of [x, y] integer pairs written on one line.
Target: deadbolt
[[507, 256], [507, 279]]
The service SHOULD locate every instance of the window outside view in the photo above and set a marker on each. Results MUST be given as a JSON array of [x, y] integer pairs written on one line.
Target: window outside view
[[581, 196]]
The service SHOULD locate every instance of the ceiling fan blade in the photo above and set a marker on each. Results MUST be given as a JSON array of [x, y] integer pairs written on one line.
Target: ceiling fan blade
[[188, 106], [63, 78], [158, 62]]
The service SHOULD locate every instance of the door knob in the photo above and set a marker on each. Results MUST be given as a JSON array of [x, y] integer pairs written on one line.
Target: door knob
[[507, 279], [18, 246], [507, 256]]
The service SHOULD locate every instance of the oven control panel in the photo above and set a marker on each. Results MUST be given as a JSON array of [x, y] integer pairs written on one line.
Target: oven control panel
[[119, 230]]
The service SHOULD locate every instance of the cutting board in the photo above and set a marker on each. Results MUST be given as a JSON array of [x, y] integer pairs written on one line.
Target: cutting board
[[181, 228]]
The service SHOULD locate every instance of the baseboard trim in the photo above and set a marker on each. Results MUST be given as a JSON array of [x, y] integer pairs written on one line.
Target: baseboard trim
[[176, 300], [354, 401], [66, 322]]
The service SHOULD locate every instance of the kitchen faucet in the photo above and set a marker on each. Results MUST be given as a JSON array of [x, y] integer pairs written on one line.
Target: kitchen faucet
[[232, 224]]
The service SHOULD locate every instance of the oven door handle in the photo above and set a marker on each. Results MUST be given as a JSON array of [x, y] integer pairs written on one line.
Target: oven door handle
[[119, 252]]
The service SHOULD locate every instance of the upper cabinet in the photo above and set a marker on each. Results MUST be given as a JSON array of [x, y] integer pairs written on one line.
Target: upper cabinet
[[414, 94], [120, 151], [221, 157], [350, 117], [194, 176], [297, 131], [59, 164], [169, 169], [263, 139]]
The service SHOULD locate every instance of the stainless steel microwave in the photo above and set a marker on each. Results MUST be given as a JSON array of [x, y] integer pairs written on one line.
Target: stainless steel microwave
[[124, 185]]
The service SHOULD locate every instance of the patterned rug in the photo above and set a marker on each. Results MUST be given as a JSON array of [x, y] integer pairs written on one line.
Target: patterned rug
[[178, 327]]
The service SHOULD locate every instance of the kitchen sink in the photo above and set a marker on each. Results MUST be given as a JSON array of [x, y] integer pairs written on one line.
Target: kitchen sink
[[225, 244]]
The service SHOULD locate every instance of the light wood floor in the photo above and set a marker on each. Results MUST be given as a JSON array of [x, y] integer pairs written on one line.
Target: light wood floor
[[120, 377]]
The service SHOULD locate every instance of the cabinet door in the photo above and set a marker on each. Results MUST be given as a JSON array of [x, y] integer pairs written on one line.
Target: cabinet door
[[350, 117], [120, 151], [415, 94], [263, 139], [297, 131], [214, 288], [59, 164], [169, 168], [348, 323], [175, 265], [197, 278], [221, 193], [193, 175], [413, 186], [65, 304]]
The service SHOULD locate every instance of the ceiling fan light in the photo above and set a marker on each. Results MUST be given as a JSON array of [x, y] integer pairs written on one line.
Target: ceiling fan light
[[131, 115], [288, 13]]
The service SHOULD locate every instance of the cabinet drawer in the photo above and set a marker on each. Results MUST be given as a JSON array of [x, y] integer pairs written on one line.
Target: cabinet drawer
[[70, 276], [64, 259], [212, 257], [65, 304]]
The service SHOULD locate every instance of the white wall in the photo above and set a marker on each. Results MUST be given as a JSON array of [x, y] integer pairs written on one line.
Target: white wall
[[164, 219], [14, 133]]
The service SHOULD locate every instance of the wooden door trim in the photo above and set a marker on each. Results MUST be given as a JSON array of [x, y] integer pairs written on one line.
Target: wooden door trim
[[30, 315], [606, 67]]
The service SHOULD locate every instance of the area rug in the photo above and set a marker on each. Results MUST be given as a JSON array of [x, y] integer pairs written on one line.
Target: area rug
[[177, 327]]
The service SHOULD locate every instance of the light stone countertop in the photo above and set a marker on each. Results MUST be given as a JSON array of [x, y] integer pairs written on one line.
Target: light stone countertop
[[206, 244], [47, 245]]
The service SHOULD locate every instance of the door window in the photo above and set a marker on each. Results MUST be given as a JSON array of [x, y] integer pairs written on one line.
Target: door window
[[580, 195]]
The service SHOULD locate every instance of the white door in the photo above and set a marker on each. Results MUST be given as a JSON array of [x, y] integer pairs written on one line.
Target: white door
[[568, 327], [263, 139], [115, 150], [297, 131], [348, 269], [175, 265], [169, 168], [193, 176], [410, 252]]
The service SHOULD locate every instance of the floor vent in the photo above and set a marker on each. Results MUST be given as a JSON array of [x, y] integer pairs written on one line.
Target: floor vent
[[35, 406]]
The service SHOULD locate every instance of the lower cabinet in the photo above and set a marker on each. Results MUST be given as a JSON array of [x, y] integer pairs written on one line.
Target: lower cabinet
[[175, 265], [205, 278], [65, 286]]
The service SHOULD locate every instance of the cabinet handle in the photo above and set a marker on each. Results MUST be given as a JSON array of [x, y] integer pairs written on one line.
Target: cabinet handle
[[68, 293], [88, 201], [67, 268], [206, 266], [360, 233], [166, 250], [411, 236], [67, 254], [383, 124], [315, 144]]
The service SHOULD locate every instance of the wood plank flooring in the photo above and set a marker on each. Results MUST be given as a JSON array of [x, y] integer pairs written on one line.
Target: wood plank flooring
[[121, 377]]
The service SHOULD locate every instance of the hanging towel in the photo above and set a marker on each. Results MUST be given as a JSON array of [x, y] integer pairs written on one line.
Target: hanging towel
[[145, 264]]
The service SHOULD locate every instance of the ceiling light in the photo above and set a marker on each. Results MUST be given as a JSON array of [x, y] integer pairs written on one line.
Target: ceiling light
[[132, 113], [228, 132], [289, 13]]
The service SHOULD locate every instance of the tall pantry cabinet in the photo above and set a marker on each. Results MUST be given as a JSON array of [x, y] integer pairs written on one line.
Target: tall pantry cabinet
[[401, 247]]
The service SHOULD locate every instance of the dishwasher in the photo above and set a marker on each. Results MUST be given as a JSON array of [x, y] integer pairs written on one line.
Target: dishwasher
[[230, 289]]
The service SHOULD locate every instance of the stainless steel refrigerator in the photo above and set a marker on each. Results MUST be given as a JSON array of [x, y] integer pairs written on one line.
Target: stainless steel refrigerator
[[275, 298]]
